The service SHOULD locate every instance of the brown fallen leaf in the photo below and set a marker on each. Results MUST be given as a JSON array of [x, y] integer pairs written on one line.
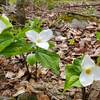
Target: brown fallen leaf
[[10, 75], [42, 97], [97, 52], [20, 73], [19, 91]]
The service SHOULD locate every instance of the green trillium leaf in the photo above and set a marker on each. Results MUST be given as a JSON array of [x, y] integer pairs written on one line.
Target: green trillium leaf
[[49, 60]]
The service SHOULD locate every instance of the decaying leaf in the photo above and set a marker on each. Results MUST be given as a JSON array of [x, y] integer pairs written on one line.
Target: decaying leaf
[[42, 97], [20, 91], [20, 73], [10, 75]]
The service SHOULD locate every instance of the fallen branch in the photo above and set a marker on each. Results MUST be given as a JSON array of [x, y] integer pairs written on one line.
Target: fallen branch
[[83, 15], [83, 5]]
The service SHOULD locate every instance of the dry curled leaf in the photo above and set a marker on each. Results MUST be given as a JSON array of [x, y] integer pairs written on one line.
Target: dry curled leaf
[[19, 91], [9, 75], [20, 73]]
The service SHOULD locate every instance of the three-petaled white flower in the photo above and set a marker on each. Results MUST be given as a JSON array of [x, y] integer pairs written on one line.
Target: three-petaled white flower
[[90, 72], [4, 23], [40, 39]]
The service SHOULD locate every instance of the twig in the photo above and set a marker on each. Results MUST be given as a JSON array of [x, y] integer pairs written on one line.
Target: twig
[[82, 15], [36, 65], [77, 14], [83, 93], [83, 5], [36, 71]]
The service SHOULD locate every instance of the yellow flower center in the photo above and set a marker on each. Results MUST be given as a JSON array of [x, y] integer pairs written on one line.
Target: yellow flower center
[[88, 71], [39, 40]]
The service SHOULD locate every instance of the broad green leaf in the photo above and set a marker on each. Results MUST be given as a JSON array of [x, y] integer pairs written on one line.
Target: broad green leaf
[[98, 36], [72, 75], [5, 40], [16, 48], [72, 82], [77, 66], [48, 59], [21, 33], [31, 59]]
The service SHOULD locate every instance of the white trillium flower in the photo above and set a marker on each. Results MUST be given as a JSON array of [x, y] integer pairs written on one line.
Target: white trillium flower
[[4, 23], [40, 39], [90, 72]]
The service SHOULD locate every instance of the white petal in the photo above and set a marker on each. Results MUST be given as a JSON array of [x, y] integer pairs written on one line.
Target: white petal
[[86, 80], [97, 73], [2, 26], [43, 45], [32, 35], [87, 62], [4, 16], [46, 35]]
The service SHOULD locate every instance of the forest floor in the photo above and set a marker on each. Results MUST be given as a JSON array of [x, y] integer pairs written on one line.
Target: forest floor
[[75, 34]]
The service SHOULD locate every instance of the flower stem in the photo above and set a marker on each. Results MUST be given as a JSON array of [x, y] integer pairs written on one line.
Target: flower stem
[[36, 65], [36, 71], [83, 93], [28, 72]]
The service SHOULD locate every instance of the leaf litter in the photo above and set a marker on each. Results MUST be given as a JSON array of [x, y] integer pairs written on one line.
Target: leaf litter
[[49, 86]]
